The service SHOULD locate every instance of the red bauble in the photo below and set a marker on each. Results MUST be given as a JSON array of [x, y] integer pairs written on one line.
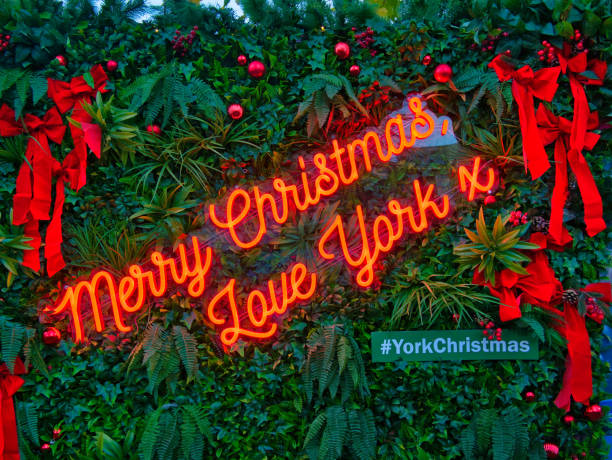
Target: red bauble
[[257, 69], [552, 450], [530, 396], [489, 199], [427, 60], [342, 50], [235, 111], [61, 59], [443, 73], [46, 447], [52, 336], [242, 60], [111, 66], [355, 70], [594, 412], [57, 433], [568, 419]]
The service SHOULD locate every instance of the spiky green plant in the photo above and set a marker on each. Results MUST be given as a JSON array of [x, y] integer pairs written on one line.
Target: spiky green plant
[[493, 250], [434, 295], [12, 242]]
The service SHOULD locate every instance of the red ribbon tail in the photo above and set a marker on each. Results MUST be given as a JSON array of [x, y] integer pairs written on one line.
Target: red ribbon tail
[[42, 176], [93, 137], [534, 155], [563, 399], [581, 114], [559, 195], [53, 239], [31, 257], [9, 447], [591, 199], [578, 371], [23, 195]]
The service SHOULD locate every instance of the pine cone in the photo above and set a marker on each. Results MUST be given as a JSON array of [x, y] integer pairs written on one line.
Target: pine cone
[[540, 224], [570, 296]]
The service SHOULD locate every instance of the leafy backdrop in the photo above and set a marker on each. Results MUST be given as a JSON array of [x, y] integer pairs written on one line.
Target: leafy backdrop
[[170, 390]]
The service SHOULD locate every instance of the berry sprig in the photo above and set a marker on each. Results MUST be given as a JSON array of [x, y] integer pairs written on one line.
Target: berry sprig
[[548, 53], [366, 39], [5, 41], [593, 310], [518, 218], [490, 44], [180, 43], [490, 331]]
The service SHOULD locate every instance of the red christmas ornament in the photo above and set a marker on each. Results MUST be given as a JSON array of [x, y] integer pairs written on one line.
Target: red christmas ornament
[[443, 73], [489, 199], [530, 396], [355, 70], [242, 60], [61, 59], [568, 419], [342, 50], [235, 111], [46, 447], [111, 66], [57, 433], [594, 412], [552, 450], [427, 60], [52, 336], [256, 69]]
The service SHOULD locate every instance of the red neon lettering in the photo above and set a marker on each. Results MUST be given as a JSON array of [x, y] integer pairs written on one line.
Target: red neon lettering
[[326, 183], [258, 308], [465, 175], [133, 288], [383, 235]]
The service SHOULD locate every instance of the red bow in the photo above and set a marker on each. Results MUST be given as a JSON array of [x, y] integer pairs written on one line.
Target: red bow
[[525, 86], [66, 95], [574, 67], [9, 384], [32, 200], [559, 130], [538, 287], [69, 95]]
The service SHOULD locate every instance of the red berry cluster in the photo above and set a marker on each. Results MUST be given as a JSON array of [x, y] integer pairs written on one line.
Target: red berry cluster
[[548, 53], [366, 39], [490, 331], [518, 218], [578, 42], [179, 40], [593, 310], [4, 42], [489, 45], [233, 170]]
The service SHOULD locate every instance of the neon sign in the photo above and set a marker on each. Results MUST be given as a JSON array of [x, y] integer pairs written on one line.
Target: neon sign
[[246, 216]]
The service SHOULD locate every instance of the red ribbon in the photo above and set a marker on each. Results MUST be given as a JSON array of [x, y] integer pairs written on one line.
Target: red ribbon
[[578, 378], [538, 287], [525, 86], [559, 130], [574, 67], [67, 94], [9, 384]]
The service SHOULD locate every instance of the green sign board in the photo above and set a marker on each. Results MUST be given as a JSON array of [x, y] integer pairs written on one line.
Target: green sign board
[[451, 345]]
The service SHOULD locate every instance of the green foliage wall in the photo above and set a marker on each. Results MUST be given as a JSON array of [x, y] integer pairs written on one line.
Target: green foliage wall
[[170, 390]]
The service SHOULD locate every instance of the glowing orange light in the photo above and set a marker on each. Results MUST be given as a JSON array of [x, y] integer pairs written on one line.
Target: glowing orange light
[[133, 288], [465, 175], [258, 308], [384, 233], [327, 182]]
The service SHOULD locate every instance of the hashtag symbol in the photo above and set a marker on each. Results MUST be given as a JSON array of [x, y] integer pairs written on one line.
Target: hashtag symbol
[[385, 347]]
